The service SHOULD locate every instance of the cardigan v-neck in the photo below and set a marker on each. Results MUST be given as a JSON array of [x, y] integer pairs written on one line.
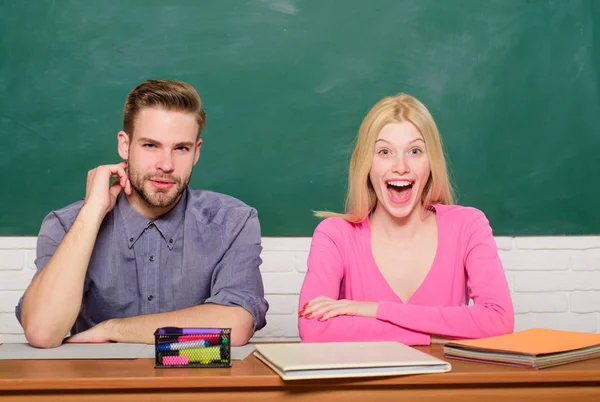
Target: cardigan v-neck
[[466, 267]]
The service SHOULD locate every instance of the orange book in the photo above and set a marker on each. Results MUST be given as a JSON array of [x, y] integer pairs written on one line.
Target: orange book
[[536, 348]]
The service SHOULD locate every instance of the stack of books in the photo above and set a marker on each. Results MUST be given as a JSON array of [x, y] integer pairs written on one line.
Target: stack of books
[[535, 348]]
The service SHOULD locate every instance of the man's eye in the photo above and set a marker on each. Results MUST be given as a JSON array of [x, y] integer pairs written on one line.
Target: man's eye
[[148, 145]]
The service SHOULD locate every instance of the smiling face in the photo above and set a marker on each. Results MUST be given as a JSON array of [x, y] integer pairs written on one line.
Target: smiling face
[[400, 169], [160, 154]]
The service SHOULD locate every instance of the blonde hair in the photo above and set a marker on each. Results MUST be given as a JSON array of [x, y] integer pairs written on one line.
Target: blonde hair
[[361, 198]]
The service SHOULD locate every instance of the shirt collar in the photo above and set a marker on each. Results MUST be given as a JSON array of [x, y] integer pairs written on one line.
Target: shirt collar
[[168, 224]]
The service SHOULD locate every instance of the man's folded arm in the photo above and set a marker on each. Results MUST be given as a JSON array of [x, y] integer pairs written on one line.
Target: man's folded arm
[[52, 301], [141, 328]]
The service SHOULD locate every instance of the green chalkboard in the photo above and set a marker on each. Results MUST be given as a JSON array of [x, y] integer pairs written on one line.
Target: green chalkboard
[[513, 85]]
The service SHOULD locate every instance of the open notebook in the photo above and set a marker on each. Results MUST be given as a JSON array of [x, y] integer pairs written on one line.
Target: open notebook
[[536, 348], [296, 361]]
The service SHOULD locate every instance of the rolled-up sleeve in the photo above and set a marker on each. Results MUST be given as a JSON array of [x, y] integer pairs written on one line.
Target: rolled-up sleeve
[[51, 234], [236, 280]]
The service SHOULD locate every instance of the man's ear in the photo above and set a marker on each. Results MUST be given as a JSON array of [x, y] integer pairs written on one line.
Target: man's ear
[[123, 145], [198, 145]]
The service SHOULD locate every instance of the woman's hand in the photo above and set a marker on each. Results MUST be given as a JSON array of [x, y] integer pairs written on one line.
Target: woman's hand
[[325, 308]]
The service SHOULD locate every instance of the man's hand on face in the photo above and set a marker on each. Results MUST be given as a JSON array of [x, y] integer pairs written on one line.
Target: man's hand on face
[[100, 195]]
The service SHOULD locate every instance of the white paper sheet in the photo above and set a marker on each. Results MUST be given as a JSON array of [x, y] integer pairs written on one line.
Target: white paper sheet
[[241, 352], [18, 351]]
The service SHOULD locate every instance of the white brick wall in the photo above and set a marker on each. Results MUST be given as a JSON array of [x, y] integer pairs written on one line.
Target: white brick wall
[[16, 269], [555, 282]]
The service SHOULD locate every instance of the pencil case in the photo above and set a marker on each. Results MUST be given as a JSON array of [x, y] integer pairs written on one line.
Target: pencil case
[[192, 347]]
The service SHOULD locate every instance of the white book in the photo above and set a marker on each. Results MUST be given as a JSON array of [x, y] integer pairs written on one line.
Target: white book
[[298, 361]]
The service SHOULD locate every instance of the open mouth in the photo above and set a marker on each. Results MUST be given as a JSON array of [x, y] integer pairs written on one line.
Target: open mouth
[[399, 191]]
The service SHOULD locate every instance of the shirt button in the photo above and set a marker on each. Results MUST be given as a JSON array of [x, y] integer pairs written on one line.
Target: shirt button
[[151, 258], [170, 240], [131, 239], [150, 226], [150, 298]]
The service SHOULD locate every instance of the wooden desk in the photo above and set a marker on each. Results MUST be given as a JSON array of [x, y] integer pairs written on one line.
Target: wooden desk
[[250, 380]]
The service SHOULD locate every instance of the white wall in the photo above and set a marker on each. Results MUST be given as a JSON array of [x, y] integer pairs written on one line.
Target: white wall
[[555, 282]]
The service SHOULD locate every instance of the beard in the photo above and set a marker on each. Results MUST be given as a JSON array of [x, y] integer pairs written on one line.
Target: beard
[[158, 198]]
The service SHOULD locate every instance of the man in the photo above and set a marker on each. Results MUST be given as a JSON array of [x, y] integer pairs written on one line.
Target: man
[[146, 251]]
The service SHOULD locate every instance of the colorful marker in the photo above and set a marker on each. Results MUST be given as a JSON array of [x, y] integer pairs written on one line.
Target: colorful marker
[[211, 353], [182, 345], [175, 360], [187, 331]]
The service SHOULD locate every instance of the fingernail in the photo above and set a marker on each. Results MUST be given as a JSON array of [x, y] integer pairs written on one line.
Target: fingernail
[[305, 306], [309, 316], [321, 318], [301, 312]]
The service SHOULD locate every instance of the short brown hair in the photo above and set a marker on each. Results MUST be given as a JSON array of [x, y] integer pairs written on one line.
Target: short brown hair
[[170, 95]]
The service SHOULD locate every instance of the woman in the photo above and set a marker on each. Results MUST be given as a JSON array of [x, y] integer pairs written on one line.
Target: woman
[[402, 263]]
